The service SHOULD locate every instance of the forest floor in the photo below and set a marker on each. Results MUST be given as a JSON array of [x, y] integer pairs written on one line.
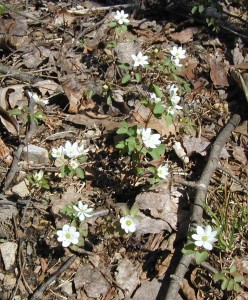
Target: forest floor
[[69, 79]]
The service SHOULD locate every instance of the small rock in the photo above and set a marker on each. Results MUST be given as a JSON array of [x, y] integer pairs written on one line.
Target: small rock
[[8, 252], [9, 282], [67, 288], [36, 154], [125, 50], [148, 290], [21, 189]]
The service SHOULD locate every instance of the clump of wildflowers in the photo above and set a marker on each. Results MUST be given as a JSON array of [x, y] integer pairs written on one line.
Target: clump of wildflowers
[[37, 179], [69, 157]]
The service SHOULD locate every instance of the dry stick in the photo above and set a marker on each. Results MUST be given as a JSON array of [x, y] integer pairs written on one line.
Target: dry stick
[[17, 154], [201, 191], [39, 292]]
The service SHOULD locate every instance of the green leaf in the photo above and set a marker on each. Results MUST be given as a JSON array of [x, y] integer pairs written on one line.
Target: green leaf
[[112, 24], [157, 152], [80, 173], [233, 269], [134, 210], [124, 66], [126, 78], [109, 100], [230, 285], [201, 8], [125, 210], [120, 145], [236, 287], [138, 77], [238, 278], [15, 112], [158, 108], [194, 9], [201, 256], [157, 91], [224, 284], [62, 170], [219, 276], [189, 249], [168, 120]]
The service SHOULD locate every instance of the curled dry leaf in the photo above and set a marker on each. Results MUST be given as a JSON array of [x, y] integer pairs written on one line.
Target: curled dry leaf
[[218, 73], [5, 153]]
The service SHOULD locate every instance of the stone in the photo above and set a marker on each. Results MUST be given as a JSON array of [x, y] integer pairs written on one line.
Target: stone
[[8, 252], [124, 50], [35, 154], [21, 189]]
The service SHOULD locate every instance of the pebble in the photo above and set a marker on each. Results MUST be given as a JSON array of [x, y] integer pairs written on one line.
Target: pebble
[[8, 252]]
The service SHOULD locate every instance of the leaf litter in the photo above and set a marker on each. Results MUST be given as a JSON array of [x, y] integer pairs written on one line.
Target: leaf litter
[[71, 56]]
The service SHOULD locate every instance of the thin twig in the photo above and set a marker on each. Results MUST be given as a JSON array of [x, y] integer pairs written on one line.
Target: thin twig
[[198, 206], [39, 292]]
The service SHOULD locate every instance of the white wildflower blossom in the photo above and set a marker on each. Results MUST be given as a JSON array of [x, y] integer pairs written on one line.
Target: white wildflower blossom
[[129, 224], [71, 150], [82, 210], [171, 110], [82, 150], [38, 175], [205, 237], [74, 164], [174, 100], [149, 139], [172, 89], [154, 98], [140, 60], [37, 99], [57, 152], [121, 17], [163, 171], [68, 235], [177, 53]]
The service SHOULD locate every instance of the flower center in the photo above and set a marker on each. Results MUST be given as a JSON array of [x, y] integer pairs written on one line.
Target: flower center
[[205, 238], [128, 223], [68, 236]]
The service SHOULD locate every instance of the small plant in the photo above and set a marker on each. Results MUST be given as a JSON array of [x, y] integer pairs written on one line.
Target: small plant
[[69, 158], [120, 23], [230, 279], [38, 179], [76, 232], [202, 242]]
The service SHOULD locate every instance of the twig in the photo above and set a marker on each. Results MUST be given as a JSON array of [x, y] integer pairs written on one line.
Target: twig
[[100, 9], [198, 206], [17, 154], [19, 75], [39, 292]]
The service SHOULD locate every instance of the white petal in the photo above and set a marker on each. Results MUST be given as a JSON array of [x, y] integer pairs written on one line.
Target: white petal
[[200, 231], [207, 245]]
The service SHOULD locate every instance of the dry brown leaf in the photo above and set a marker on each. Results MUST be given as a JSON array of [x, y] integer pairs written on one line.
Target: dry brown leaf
[[47, 87], [148, 290], [185, 35], [241, 79], [188, 291], [9, 121], [239, 154], [218, 73], [5, 153]]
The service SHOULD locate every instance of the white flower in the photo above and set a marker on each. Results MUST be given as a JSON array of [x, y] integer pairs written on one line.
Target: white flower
[[121, 17], [163, 171], [71, 150], [38, 175], [68, 235], [178, 52], [140, 60], [174, 100], [205, 237], [172, 89], [37, 99], [82, 210], [171, 110], [74, 164], [154, 98], [82, 150], [150, 140], [57, 152], [129, 223]]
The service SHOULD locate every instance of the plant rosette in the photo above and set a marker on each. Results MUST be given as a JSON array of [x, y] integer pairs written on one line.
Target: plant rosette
[[130, 219]]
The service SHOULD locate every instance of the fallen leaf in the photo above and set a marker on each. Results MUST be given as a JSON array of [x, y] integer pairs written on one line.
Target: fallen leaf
[[185, 35], [5, 153], [148, 290], [239, 154], [218, 74]]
